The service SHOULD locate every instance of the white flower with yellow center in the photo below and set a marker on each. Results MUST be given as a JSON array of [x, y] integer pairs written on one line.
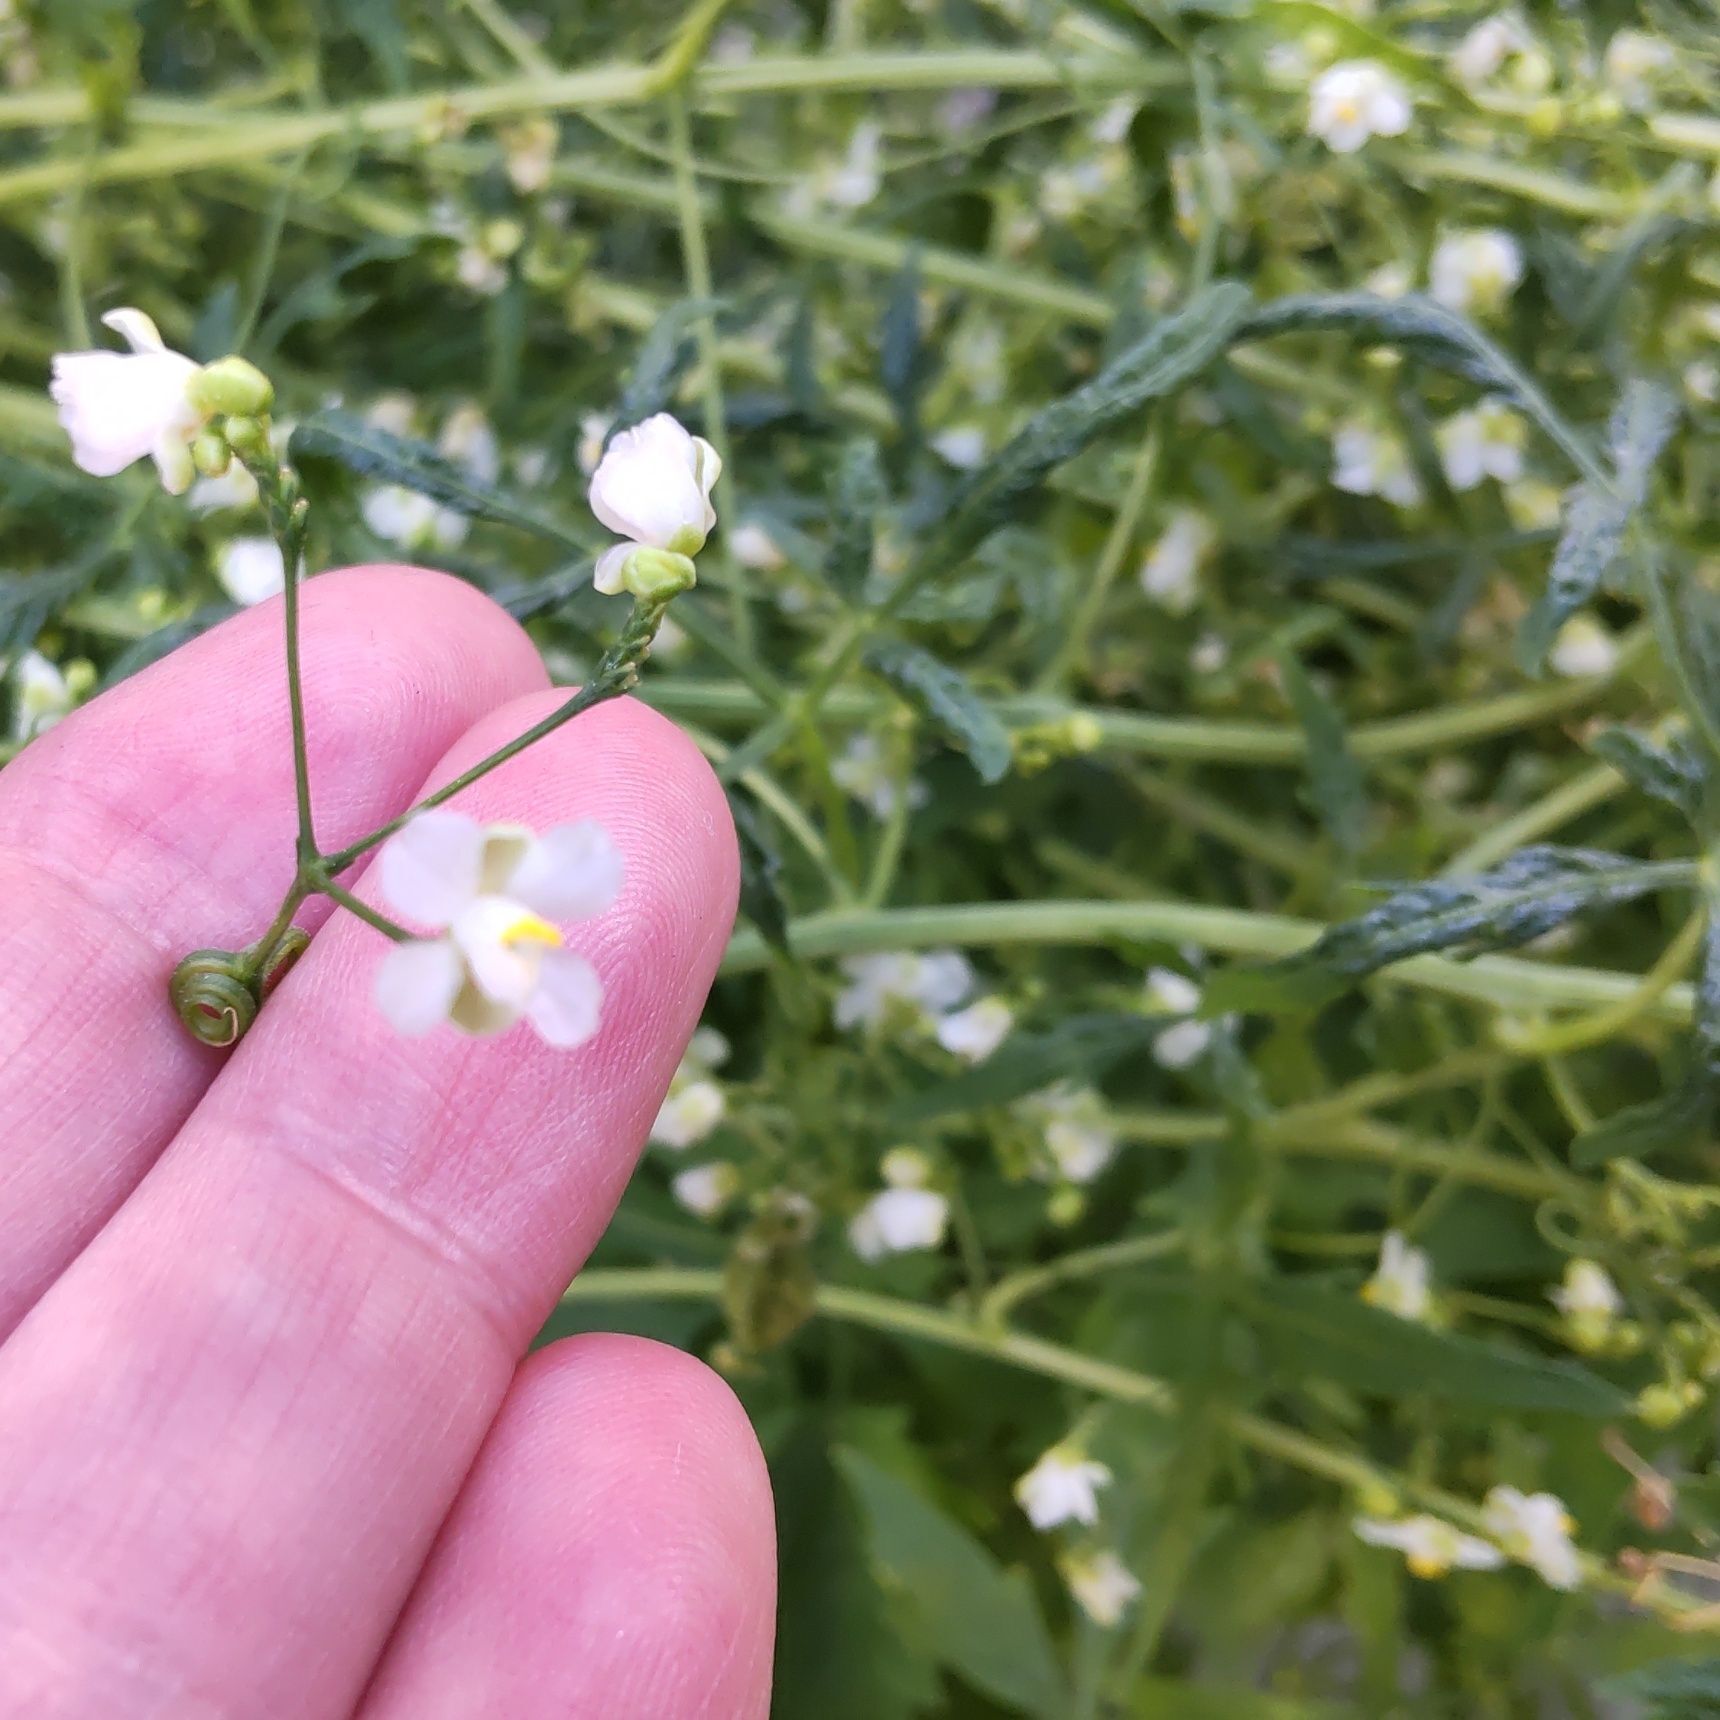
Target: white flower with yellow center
[[41, 695], [1402, 1282], [1355, 100], [1485, 50], [1062, 1487], [972, 1034], [1367, 462], [118, 407], [1080, 1140], [1170, 574], [1583, 647], [1535, 1529], [1487, 441], [251, 569], [1633, 61], [1430, 1546], [1475, 271], [1389, 280], [695, 1104], [1590, 1303], [492, 895], [899, 1221], [1103, 1586], [899, 982], [653, 488], [704, 1190]]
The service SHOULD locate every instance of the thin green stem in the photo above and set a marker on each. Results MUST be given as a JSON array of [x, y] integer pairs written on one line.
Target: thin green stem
[[363, 911], [1010, 1292], [1570, 800]]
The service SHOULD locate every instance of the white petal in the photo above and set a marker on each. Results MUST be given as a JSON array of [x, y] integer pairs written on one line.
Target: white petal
[[416, 985], [118, 407], [503, 966], [568, 1002], [647, 485], [251, 569], [607, 576], [430, 869], [137, 330], [572, 872]]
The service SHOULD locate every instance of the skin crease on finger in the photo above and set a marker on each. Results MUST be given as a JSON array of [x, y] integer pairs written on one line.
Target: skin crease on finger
[[160, 819], [611, 1554], [234, 1426]]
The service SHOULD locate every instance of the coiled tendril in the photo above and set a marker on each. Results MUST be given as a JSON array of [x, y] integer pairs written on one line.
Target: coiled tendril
[[216, 993]]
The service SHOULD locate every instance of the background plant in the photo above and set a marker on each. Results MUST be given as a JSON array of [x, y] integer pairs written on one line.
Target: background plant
[[1119, 575]]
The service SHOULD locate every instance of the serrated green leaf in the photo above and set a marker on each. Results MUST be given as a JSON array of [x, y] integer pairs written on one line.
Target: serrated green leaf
[[374, 453], [1672, 772], [947, 699], [1318, 1330], [1430, 332], [1597, 516], [1176, 350], [981, 1621], [1337, 786], [854, 508], [1527, 894], [1079, 1047], [662, 361], [761, 899]]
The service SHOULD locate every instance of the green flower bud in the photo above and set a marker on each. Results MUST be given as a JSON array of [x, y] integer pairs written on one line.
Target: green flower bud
[[211, 454], [656, 575], [231, 386], [1660, 1406]]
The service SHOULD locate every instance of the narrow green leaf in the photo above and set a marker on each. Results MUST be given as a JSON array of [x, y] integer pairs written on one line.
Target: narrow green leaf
[[901, 351], [389, 459], [947, 699], [761, 899], [1527, 894], [1597, 515], [1322, 1331], [1337, 786], [662, 361], [1080, 1047], [854, 508], [1672, 772], [1678, 1116], [1176, 350], [981, 1621]]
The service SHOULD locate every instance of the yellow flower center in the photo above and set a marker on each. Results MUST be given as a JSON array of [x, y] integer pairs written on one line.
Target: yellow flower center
[[1427, 1565], [530, 928]]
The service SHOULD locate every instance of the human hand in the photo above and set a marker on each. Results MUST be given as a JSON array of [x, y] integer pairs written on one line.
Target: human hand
[[267, 1444]]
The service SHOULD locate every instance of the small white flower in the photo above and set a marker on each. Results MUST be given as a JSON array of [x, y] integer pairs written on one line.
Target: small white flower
[[706, 1189], [905, 1167], [469, 441], [1633, 61], [1485, 442], [977, 359], [41, 695], [118, 407], [925, 986], [478, 272], [1430, 1546], [753, 547], [1103, 1586], [235, 488], [691, 1110], [1170, 575], [250, 569], [972, 1034], [1062, 1487], [864, 770], [1583, 647], [1402, 1282], [491, 894], [395, 413], [1188, 1041], [653, 488], [1355, 100], [855, 180], [1590, 1303], [897, 1221], [415, 521], [962, 446], [1079, 1139], [1209, 654], [1475, 271], [1482, 53], [1389, 280], [1366, 462], [530, 153], [1112, 124], [1536, 1530], [593, 432]]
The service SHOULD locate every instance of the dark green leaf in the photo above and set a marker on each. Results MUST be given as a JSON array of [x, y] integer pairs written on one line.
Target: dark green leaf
[[947, 699], [1678, 1116], [1437, 336], [1082, 1046], [1672, 772], [799, 366], [28, 599], [1533, 891], [980, 1620], [1337, 787], [374, 453], [664, 355], [855, 506], [1312, 1329], [1670, 1689], [1597, 516], [1177, 350], [761, 898], [901, 353]]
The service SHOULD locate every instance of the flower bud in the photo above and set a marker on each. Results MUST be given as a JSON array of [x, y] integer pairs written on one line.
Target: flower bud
[[1660, 1406], [656, 575], [211, 454], [231, 386]]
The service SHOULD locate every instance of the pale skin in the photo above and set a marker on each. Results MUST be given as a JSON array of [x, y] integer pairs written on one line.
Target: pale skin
[[268, 1441]]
